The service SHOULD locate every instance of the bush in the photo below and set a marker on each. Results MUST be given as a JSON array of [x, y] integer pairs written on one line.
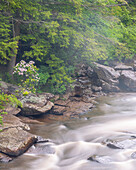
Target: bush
[[7, 100], [26, 75]]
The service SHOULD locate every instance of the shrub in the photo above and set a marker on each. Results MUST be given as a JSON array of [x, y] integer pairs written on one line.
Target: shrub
[[7, 100], [26, 75]]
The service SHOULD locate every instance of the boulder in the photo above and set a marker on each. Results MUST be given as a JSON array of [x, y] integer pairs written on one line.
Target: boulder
[[123, 67], [36, 105], [106, 73], [128, 80], [14, 141], [33, 109]]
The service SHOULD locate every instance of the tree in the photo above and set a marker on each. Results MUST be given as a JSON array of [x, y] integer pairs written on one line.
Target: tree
[[72, 31]]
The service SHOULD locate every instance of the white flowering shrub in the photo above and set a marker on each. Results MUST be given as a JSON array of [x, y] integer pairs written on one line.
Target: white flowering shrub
[[26, 75]]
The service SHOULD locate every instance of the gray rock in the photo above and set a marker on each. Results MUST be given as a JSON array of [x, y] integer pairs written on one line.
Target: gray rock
[[96, 88], [123, 144], [41, 149], [34, 109], [123, 67], [36, 104], [5, 158], [128, 80], [134, 67], [100, 159], [107, 87], [42, 140], [78, 90], [133, 155], [106, 73], [3, 85]]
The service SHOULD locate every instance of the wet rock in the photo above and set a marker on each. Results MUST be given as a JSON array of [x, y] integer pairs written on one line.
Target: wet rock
[[100, 159], [41, 149], [128, 80], [124, 144], [74, 105], [15, 141], [123, 67], [133, 155], [42, 140], [134, 67], [5, 158]]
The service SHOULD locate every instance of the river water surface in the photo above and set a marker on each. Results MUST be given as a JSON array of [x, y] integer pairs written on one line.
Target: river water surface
[[73, 142]]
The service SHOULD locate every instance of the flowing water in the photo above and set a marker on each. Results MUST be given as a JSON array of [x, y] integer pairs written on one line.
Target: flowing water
[[73, 142]]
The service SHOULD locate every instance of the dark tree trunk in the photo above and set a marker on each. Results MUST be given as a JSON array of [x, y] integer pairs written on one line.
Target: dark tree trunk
[[12, 62]]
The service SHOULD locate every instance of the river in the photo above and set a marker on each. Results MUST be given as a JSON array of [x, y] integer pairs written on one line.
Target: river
[[73, 142]]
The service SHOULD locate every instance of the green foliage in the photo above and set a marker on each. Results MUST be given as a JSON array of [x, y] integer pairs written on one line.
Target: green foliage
[[8, 45], [7, 100], [54, 77], [59, 34]]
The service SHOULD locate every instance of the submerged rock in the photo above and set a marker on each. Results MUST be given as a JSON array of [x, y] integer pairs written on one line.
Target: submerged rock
[[133, 155], [5, 158], [42, 140], [123, 144], [41, 149], [100, 159]]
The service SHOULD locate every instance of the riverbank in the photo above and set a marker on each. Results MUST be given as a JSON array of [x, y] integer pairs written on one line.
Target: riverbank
[[103, 138], [91, 83]]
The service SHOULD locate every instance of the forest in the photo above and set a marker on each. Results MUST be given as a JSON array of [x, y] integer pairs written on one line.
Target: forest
[[67, 84], [42, 42]]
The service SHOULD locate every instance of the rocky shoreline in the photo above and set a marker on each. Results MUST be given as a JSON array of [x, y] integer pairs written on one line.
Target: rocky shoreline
[[91, 83]]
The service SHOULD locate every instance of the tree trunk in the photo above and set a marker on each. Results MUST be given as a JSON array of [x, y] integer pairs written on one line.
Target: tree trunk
[[12, 62]]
